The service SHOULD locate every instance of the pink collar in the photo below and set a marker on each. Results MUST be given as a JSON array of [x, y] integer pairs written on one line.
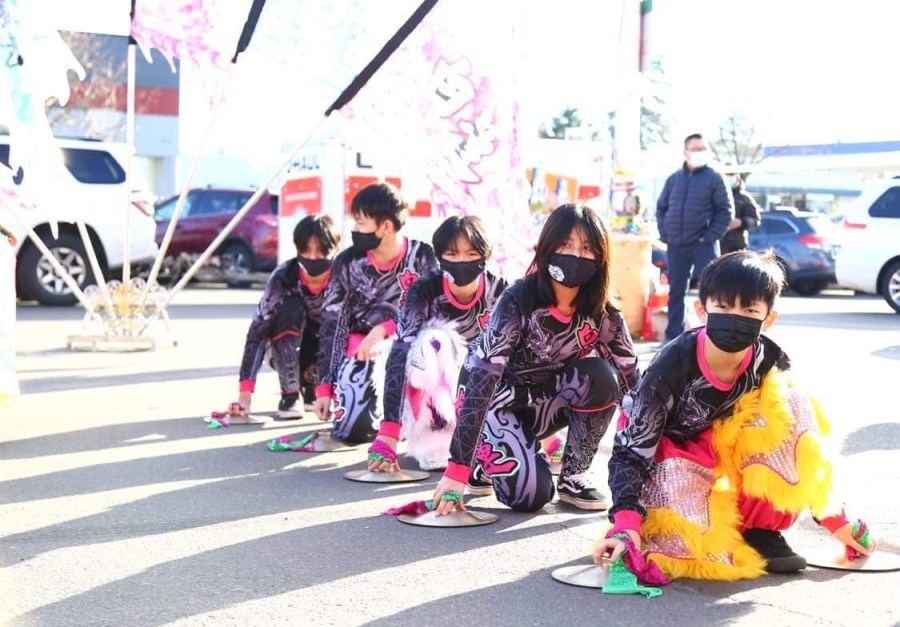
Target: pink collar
[[304, 281], [707, 371], [390, 265], [478, 294], [560, 316]]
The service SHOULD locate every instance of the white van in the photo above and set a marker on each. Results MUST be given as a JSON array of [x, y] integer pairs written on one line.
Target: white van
[[94, 184], [869, 257]]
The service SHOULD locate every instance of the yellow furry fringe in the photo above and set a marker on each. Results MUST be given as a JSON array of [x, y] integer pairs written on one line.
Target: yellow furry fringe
[[716, 547], [734, 440], [739, 437]]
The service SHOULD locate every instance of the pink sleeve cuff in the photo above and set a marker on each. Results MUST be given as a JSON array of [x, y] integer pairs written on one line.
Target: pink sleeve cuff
[[389, 429], [457, 472], [390, 327], [324, 389], [627, 519], [247, 385]]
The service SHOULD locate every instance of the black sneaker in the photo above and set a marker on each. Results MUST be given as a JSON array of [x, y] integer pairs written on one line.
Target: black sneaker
[[577, 490], [479, 483], [773, 548], [287, 407]]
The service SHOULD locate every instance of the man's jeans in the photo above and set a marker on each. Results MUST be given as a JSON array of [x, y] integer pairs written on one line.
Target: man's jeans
[[681, 260]]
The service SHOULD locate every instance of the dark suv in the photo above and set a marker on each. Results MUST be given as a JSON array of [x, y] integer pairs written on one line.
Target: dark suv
[[804, 241], [251, 247]]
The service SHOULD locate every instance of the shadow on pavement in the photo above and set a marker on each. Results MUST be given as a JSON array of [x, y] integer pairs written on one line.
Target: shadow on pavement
[[884, 436], [60, 384]]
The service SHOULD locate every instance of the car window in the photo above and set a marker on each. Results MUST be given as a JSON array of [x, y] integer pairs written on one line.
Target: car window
[[218, 203], [96, 167], [165, 209], [777, 226], [887, 205], [821, 225]]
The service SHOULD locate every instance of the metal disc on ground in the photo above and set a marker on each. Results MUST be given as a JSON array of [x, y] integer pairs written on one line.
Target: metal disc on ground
[[585, 576], [834, 558], [251, 419], [456, 519], [324, 443], [399, 476]]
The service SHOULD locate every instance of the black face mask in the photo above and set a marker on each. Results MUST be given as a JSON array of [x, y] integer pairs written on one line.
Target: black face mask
[[571, 271], [732, 333], [462, 272], [365, 241], [314, 267]]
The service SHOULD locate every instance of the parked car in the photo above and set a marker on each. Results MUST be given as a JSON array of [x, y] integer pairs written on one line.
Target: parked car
[[93, 185], [251, 247], [804, 241], [869, 259]]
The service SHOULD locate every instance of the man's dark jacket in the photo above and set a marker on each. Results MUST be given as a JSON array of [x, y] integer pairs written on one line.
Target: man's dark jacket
[[695, 206]]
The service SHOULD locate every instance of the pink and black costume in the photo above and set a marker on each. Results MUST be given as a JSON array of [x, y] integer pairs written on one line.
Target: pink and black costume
[[361, 295], [286, 323], [432, 311], [531, 373]]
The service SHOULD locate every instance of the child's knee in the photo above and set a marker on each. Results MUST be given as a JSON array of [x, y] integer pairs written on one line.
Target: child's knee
[[600, 379]]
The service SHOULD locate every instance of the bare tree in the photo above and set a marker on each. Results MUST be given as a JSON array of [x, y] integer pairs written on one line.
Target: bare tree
[[737, 142], [569, 118]]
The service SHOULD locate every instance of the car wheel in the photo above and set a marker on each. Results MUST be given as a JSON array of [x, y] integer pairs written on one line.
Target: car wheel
[[39, 280], [890, 286], [808, 288], [237, 260]]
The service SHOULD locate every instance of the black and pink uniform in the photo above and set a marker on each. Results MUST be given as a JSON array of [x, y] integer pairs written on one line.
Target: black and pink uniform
[[430, 299], [531, 373], [286, 323], [677, 401], [361, 295]]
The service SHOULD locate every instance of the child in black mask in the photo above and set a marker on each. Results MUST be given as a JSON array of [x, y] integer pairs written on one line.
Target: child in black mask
[[286, 322], [716, 451], [370, 282], [445, 310], [556, 353]]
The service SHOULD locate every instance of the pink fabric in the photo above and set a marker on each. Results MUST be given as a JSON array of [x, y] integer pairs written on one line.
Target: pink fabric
[[324, 390], [478, 294], [699, 450], [645, 569], [380, 448], [353, 343], [556, 313], [833, 523], [707, 372], [390, 265], [760, 514], [415, 396], [247, 385], [457, 472], [304, 280], [414, 507], [389, 429], [626, 519], [390, 327]]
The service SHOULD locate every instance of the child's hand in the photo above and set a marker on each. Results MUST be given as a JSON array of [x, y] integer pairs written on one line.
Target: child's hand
[[609, 549], [244, 400], [844, 535], [377, 334], [385, 466], [447, 506], [322, 408]]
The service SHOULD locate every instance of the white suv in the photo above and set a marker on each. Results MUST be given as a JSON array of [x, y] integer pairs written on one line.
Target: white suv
[[869, 257], [94, 187]]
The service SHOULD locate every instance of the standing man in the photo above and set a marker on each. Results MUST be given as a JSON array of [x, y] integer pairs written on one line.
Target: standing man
[[746, 216], [692, 214]]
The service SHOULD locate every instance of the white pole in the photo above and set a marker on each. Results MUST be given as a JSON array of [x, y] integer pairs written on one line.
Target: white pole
[[129, 159], [214, 245], [182, 196], [95, 266]]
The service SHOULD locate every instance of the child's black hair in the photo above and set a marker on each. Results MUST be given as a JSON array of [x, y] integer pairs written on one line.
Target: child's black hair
[[593, 298], [743, 274], [322, 228], [472, 227], [380, 201]]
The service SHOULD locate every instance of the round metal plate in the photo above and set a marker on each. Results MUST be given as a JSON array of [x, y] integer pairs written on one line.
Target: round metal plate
[[456, 519], [830, 558], [400, 476], [324, 443], [585, 576]]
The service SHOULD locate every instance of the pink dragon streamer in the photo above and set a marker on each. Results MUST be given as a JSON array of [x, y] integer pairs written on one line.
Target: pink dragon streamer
[[448, 96]]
